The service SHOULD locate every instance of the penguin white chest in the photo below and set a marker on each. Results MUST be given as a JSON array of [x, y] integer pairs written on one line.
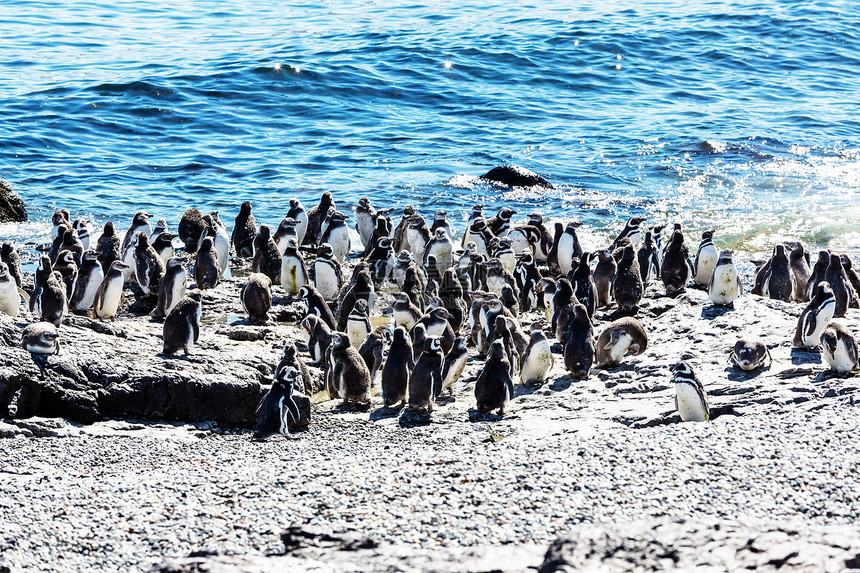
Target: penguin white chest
[[820, 321], [90, 290], [301, 226], [565, 253], [111, 299], [690, 406], [519, 242], [619, 350], [841, 360], [404, 318], [705, 263], [339, 240], [357, 331], [177, 291], [326, 281], [537, 364], [292, 277], [9, 299], [509, 261], [495, 283], [436, 328], [724, 286]]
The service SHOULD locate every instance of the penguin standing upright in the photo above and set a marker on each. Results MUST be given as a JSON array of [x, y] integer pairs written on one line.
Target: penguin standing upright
[[10, 256], [182, 325], [500, 223], [373, 348], [839, 284], [440, 221], [267, 257], [426, 376], [294, 273], [298, 214], [60, 217], [691, 401], [537, 359], [839, 348], [221, 242], [337, 235], [48, 302], [418, 235], [163, 245], [545, 291], [284, 408], [41, 340], [604, 274], [68, 272], [579, 344], [244, 231], [381, 261], [453, 365], [82, 228], [358, 325], [256, 297], [90, 276], [318, 337], [779, 279], [494, 387], [406, 314], [851, 273], [316, 215], [630, 231], [568, 248], [706, 259], [172, 287], [799, 261], [815, 317], [149, 268], [206, 273], [397, 368], [139, 224], [627, 287], [649, 258], [286, 231], [441, 247], [480, 234], [348, 375], [10, 301], [328, 275], [365, 216], [818, 271], [109, 295], [527, 276], [400, 238], [725, 287], [583, 285], [108, 247], [675, 271], [316, 304], [191, 228], [476, 213]]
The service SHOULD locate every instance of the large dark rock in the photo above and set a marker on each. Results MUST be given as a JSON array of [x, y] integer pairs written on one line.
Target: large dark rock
[[514, 176], [12, 208]]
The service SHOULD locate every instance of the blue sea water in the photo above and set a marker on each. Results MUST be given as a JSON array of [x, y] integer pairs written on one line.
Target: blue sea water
[[736, 115]]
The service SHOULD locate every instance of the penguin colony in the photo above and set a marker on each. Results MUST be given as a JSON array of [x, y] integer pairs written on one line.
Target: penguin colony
[[449, 298]]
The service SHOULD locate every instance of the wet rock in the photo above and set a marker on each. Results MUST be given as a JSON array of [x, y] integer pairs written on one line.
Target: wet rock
[[12, 207]]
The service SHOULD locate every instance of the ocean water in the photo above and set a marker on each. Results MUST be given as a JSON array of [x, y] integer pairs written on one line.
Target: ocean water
[[736, 115]]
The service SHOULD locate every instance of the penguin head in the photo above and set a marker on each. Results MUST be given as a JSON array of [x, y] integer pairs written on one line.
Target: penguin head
[[400, 334], [304, 291], [245, 208], [478, 225], [360, 307], [846, 262], [383, 243], [58, 217], [546, 285], [324, 251], [141, 218], [440, 215], [416, 221], [109, 229], [172, 263], [295, 204], [289, 352], [573, 225], [339, 216], [310, 322], [635, 221], [408, 211], [471, 247], [339, 339], [725, 256], [44, 264], [195, 295], [6, 248], [477, 210], [441, 234], [441, 313], [536, 326], [4, 271], [708, 234], [264, 233], [326, 200], [505, 213], [823, 257], [206, 244], [682, 370], [141, 240], [779, 251], [119, 266], [497, 350], [67, 258], [432, 344], [404, 257], [580, 314], [363, 204], [535, 219]]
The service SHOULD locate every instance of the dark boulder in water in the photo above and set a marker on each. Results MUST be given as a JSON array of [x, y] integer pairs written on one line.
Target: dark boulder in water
[[514, 176], [12, 208]]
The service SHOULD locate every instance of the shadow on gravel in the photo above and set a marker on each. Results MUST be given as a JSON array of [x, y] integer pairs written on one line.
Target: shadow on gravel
[[383, 413], [561, 384], [669, 418], [475, 416], [714, 311], [736, 374], [412, 419], [804, 356], [526, 389]]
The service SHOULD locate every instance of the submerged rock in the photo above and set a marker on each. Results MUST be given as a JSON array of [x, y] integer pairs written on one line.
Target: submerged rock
[[515, 176]]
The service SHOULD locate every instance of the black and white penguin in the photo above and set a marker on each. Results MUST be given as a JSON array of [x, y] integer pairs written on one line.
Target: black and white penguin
[[418, 335], [568, 248], [358, 324], [244, 231], [630, 231], [373, 348], [552, 257], [583, 284], [90, 276], [108, 247], [603, 275], [413, 286], [397, 369], [691, 401], [750, 355], [148, 266], [318, 337], [10, 256], [347, 374], [494, 387], [328, 275], [851, 273], [139, 224], [623, 337], [82, 228], [163, 245], [365, 223], [677, 266], [454, 364], [403, 260], [381, 261], [426, 380], [841, 287], [41, 340], [418, 236], [316, 304], [452, 296], [48, 302], [66, 267], [441, 247], [815, 317], [290, 359], [267, 257], [440, 221], [406, 314], [839, 348], [476, 213], [706, 259], [627, 287], [480, 234], [256, 297], [172, 288], [182, 325], [648, 258], [545, 291], [657, 236], [799, 261], [206, 272], [316, 215], [191, 228], [561, 299], [57, 243], [433, 280], [500, 223], [294, 273], [109, 295], [72, 243], [436, 323], [818, 271], [779, 280], [400, 238], [59, 218], [579, 344], [360, 287], [505, 253], [724, 286], [160, 227], [284, 408], [336, 234], [221, 241], [537, 359], [286, 231], [297, 213], [10, 300], [527, 276]]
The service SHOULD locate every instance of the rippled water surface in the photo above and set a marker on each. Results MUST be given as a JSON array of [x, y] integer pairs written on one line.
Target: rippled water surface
[[738, 115]]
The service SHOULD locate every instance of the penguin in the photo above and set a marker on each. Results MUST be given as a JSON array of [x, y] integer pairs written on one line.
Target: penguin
[[316, 304], [365, 223], [82, 228], [381, 261], [552, 258], [604, 274], [579, 344], [337, 235], [630, 231], [244, 231], [10, 256], [627, 287], [381, 230], [128, 259], [373, 348], [139, 224], [358, 324], [505, 253], [839, 348], [537, 360], [442, 248], [267, 256], [328, 275], [433, 280], [818, 271], [290, 359], [500, 223], [545, 290], [406, 314], [453, 366], [750, 355], [451, 294], [294, 273], [206, 265], [706, 259], [360, 287], [501, 331], [316, 215], [425, 382], [298, 214], [799, 262], [418, 235], [172, 288], [657, 236], [108, 247], [440, 221], [191, 228], [561, 299], [583, 285], [160, 227], [815, 317], [221, 241], [839, 284], [41, 340], [286, 231], [10, 300], [480, 234], [397, 369], [48, 302], [163, 245], [779, 280], [400, 238], [109, 295], [527, 276], [648, 258], [256, 297], [401, 263], [347, 373], [68, 271], [57, 243], [476, 213], [60, 217], [568, 248], [691, 401], [182, 325], [318, 337], [435, 323], [149, 268], [494, 387], [284, 408], [758, 280], [853, 277], [676, 267], [72, 243], [724, 286], [498, 276], [90, 276], [623, 337]]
